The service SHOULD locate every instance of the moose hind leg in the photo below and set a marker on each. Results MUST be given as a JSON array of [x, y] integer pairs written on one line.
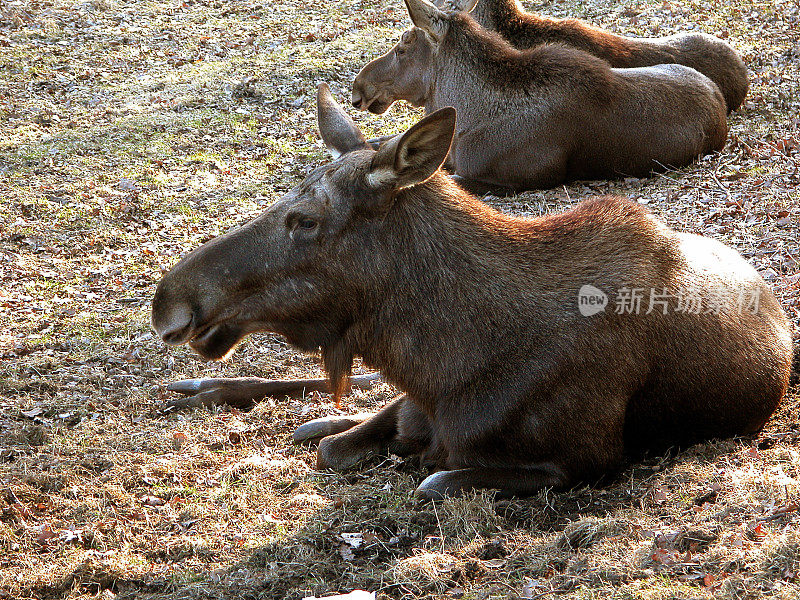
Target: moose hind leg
[[414, 433], [510, 481], [243, 392]]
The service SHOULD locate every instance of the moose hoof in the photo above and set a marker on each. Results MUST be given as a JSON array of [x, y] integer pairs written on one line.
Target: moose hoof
[[315, 430], [439, 486], [336, 454], [190, 386]]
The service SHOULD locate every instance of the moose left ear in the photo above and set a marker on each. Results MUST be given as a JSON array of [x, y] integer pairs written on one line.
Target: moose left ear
[[427, 17], [340, 134], [413, 157]]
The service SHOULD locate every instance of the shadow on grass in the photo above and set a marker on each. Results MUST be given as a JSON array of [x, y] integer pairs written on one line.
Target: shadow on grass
[[405, 548]]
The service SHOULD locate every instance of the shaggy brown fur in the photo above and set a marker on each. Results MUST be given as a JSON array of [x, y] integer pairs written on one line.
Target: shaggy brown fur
[[535, 118], [710, 55], [474, 314]]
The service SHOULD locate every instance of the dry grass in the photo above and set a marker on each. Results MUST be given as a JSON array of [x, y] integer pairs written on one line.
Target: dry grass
[[131, 132]]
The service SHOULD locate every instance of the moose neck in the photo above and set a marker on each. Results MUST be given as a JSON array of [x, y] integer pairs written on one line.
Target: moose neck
[[476, 67], [453, 265]]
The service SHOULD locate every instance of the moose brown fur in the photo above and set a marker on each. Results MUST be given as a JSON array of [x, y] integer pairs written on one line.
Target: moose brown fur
[[713, 57], [534, 118], [474, 315]]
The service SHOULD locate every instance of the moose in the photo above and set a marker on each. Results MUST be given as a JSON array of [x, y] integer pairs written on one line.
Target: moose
[[713, 57], [535, 118], [475, 316]]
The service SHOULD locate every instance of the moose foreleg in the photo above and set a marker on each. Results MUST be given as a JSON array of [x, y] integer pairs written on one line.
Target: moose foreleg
[[344, 450], [510, 481], [313, 431], [242, 392]]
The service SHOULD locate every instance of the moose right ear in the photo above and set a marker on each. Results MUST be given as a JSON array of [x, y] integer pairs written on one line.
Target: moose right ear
[[413, 157], [340, 134]]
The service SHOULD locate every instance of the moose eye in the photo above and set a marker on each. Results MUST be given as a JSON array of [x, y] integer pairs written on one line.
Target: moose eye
[[306, 223], [296, 221], [400, 51]]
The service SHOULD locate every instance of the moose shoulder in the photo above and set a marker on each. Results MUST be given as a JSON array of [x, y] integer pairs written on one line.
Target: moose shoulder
[[713, 57], [535, 118], [475, 316]]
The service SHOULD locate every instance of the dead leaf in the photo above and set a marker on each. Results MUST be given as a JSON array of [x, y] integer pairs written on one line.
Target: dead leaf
[[354, 595], [152, 501], [179, 440], [659, 494], [495, 563], [45, 534], [354, 540], [755, 531]]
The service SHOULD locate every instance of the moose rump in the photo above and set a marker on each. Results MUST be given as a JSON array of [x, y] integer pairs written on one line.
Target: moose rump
[[536, 118]]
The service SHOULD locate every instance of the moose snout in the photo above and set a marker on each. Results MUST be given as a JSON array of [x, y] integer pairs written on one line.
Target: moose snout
[[358, 99], [363, 93], [174, 323]]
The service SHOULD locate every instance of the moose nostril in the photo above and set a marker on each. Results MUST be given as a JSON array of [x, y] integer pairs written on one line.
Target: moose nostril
[[356, 100], [176, 336], [176, 327]]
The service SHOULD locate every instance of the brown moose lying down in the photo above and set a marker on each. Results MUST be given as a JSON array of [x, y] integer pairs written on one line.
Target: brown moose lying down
[[713, 57], [539, 117], [516, 375]]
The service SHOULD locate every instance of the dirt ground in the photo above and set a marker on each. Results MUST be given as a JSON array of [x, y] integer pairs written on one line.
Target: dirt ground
[[133, 131]]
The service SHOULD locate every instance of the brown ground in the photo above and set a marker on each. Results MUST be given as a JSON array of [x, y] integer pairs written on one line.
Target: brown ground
[[131, 132]]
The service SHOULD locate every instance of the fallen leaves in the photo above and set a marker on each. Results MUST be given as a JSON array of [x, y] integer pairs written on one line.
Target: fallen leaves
[[148, 500], [354, 595], [133, 132], [32, 413]]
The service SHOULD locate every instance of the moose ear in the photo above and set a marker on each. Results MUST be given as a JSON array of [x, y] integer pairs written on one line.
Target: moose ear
[[413, 157], [340, 134], [427, 17]]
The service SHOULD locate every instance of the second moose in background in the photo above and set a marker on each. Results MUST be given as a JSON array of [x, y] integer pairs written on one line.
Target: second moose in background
[[536, 118]]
